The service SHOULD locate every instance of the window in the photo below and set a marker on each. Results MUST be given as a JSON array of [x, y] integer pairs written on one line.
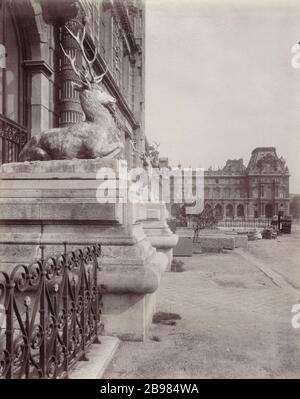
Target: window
[[11, 79], [269, 210], [240, 210], [281, 192], [218, 211], [13, 133], [229, 211]]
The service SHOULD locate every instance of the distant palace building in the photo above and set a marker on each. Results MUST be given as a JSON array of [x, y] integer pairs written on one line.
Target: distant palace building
[[260, 190], [237, 192]]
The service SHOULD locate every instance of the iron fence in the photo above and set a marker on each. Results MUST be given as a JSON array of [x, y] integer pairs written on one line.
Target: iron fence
[[51, 314], [251, 223], [13, 137]]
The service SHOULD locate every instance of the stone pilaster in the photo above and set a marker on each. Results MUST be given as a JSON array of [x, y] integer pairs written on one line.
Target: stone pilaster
[[40, 73]]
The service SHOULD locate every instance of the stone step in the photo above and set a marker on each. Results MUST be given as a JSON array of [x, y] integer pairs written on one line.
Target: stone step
[[100, 356]]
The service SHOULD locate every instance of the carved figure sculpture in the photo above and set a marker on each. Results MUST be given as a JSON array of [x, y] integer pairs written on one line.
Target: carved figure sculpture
[[150, 156], [96, 137]]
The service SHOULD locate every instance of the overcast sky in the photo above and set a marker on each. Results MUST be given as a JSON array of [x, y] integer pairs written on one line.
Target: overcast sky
[[219, 80]]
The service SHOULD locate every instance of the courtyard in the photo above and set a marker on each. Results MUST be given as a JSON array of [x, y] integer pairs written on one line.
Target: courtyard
[[236, 319]]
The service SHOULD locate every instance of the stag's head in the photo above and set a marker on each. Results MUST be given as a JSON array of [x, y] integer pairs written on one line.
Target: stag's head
[[92, 96]]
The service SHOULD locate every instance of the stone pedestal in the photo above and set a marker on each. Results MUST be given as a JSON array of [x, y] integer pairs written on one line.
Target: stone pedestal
[[52, 203], [213, 243], [185, 242], [158, 231]]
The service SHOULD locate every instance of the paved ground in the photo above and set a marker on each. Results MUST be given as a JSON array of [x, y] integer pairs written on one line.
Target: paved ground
[[236, 318]]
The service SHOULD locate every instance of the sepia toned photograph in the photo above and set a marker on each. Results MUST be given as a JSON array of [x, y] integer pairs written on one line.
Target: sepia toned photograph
[[149, 192]]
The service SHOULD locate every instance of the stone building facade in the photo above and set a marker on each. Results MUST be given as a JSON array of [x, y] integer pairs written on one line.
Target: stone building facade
[[35, 77], [260, 190], [52, 207]]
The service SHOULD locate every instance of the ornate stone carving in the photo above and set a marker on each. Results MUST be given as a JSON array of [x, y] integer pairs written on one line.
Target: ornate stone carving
[[117, 51], [59, 11]]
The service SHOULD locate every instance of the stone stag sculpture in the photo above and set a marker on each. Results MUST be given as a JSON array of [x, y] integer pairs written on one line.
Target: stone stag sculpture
[[96, 137], [150, 156]]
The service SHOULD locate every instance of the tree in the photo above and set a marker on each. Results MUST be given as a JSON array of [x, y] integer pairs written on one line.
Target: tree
[[205, 219]]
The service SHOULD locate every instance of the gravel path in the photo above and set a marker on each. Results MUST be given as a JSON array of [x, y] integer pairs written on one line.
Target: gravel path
[[235, 322]]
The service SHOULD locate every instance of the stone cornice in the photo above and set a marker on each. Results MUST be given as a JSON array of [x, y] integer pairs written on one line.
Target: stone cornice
[[40, 66]]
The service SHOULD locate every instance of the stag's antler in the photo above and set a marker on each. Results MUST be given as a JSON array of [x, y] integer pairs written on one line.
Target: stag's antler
[[100, 77], [83, 76], [135, 149]]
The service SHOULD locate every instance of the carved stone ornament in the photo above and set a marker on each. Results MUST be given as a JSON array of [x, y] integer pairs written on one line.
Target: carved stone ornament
[[59, 11]]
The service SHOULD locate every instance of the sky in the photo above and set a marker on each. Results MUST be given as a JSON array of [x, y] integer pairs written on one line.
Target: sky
[[219, 80]]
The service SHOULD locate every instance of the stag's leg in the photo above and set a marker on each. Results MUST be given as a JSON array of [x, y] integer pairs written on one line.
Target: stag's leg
[[32, 152], [110, 150]]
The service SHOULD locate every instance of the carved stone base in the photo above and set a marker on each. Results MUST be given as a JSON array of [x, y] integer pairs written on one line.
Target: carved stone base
[[52, 203]]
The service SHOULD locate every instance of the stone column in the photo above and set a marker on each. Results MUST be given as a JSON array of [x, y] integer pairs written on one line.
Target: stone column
[[69, 100], [234, 210], [248, 213]]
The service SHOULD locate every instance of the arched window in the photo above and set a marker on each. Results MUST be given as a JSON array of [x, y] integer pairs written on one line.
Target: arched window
[[229, 211], [218, 211], [12, 113], [282, 192], [255, 192], [269, 210], [207, 207], [240, 211]]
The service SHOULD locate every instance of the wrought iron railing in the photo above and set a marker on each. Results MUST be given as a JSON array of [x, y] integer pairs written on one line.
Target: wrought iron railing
[[12, 139], [251, 223], [50, 314]]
